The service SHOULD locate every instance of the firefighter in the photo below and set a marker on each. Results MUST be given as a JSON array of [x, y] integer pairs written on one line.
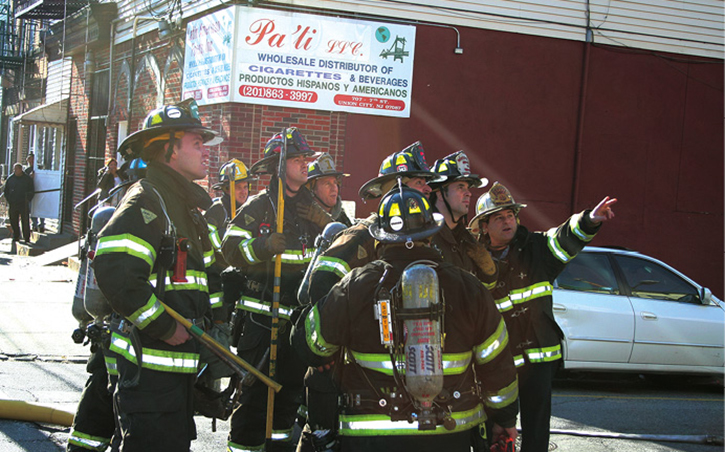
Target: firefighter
[[219, 214], [94, 421], [451, 198], [155, 248], [528, 263], [251, 244], [404, 387], [324, 181], [353, 248]]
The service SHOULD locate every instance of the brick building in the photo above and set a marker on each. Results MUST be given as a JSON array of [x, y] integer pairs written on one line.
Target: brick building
[[563, 102]]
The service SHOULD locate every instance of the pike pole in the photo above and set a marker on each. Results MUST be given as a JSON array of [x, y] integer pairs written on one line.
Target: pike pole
[[228, 357], [277, 286]]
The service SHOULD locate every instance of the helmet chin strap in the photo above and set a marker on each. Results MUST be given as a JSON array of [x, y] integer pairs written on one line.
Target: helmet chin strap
[[170, 150], [448, 206]]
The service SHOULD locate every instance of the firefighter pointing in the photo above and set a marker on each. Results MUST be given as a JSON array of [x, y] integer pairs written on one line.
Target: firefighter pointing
[[157, 227], [528, 263], [415, 329]]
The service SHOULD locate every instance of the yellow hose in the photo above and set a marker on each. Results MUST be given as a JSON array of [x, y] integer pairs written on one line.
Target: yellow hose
[[26, 411]]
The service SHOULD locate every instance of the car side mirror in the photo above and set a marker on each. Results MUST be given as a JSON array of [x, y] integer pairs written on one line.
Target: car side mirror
[[706, 296]]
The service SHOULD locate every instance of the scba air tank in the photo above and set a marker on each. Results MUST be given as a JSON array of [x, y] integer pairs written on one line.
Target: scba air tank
[[94, 302], [423, 348]]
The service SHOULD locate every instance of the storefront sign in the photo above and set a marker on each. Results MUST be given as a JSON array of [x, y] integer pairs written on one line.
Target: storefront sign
[[300, 60]]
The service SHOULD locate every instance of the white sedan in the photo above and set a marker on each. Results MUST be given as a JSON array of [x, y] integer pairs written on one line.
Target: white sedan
[[625, 311]]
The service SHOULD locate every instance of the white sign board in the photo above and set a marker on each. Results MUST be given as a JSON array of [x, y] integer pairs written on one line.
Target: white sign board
[[208, 58], [46, 204], [287, 59]]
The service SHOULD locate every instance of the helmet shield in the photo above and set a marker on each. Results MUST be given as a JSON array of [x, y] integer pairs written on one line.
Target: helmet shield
[[162, 122], [410, 162], [456, 167], [296, 146], [496, 199], [405, 215]]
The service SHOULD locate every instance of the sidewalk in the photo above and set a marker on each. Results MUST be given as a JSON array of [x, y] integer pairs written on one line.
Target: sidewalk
[[40, 362]]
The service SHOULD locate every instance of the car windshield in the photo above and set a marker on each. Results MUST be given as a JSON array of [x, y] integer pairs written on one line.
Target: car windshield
[[589, 272], [647, 279]]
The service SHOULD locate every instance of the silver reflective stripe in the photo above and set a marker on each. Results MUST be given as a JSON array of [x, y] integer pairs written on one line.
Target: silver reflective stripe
[[236, 232], [533, 291], [381, 425], [262, 307], [332, 264], [555, 247], [519, 360], [233, 447], [504, 304], [577, 230], [282, 435], [163, 360], [87, 441], [216, 300]]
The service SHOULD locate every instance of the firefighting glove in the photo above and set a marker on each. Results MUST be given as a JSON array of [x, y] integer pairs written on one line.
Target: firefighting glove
[[315, 213], [216, 368], [275, 243], [481, 257]]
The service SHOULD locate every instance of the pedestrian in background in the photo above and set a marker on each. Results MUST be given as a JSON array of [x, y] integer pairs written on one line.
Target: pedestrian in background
[[37, 224], [19, 191]]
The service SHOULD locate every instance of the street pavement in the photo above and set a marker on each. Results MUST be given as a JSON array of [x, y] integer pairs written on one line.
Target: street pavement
[[41, 364]]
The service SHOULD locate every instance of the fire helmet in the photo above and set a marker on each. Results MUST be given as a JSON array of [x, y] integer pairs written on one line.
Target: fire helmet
[[456, 167], [296, 146], [136, 169], [323, 166], [405, 215], [233, 169], [161, 124], [494, 200], [410, 162]]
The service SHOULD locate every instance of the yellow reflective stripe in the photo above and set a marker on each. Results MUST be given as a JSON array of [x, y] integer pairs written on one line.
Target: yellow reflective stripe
[[492, 346], [234, 447], [127, 244], [556, 248], [262, 307], [332, 264], [489, 286], [111, 365], [236, 231], [504, 397], [519, 360], [531, 292], [87, 441], [574, 225], [316, 343], [161, 360], [504, 304], [381, 425], [245, 246], [216, 299], [542, 355], [214, 237], [297, 256], [282, 435], [195, 280], [209, 258], [146, 313], [452, 363]]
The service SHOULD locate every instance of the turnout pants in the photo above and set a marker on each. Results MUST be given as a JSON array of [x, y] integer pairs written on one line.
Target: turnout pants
[[452, 442], [535, 382], [248, 425], [158, 414], [94, 423]]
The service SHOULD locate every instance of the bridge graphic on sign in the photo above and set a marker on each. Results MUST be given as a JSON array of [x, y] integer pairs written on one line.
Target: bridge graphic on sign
[[397, 50]]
